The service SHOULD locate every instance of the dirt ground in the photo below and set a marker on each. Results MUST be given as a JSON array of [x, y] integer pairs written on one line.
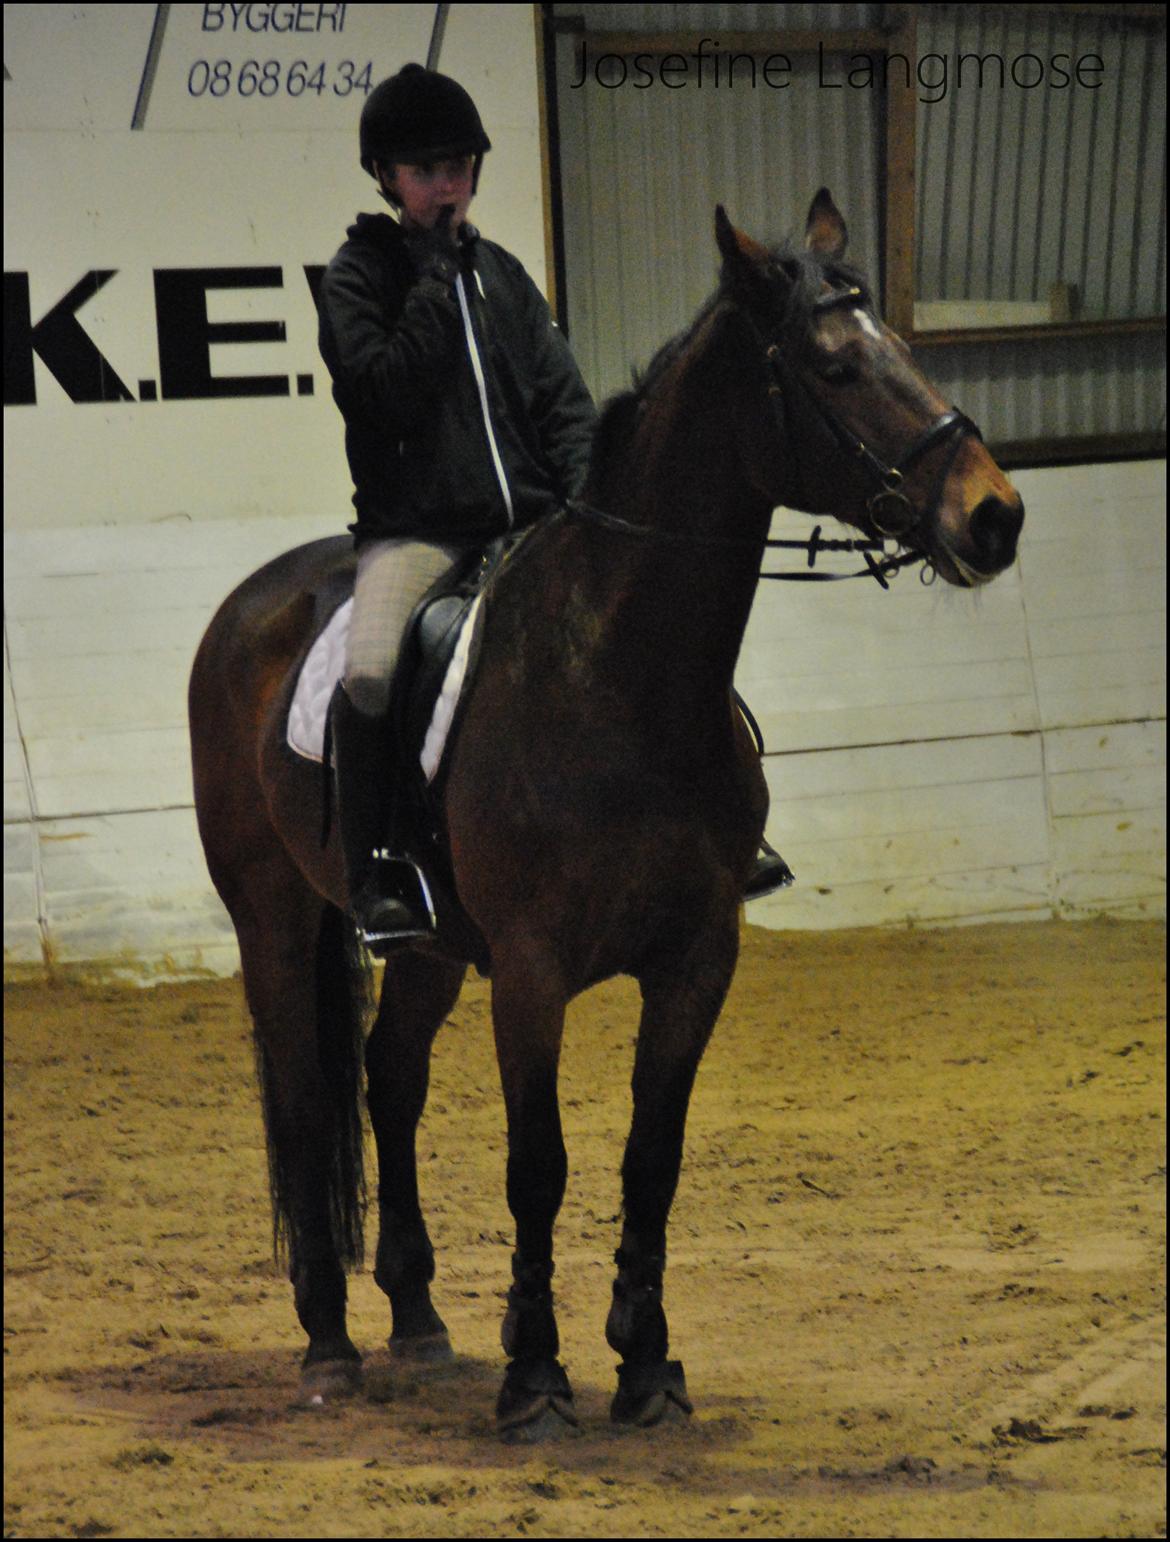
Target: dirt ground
[[916, 1264]]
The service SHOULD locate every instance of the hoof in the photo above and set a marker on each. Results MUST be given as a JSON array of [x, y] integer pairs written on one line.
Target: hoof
[[535, 1403], [422, 1348], [329, 1381], [547, 1420], [651, 1394]]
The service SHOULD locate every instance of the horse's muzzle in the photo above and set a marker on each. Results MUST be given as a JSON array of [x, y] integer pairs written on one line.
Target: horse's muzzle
[[983, 546], [994, 529]]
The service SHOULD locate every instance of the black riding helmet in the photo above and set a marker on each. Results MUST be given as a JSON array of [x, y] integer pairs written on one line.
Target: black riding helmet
[[420, 115]]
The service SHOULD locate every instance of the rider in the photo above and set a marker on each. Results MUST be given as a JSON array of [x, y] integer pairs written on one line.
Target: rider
[[465, 417]]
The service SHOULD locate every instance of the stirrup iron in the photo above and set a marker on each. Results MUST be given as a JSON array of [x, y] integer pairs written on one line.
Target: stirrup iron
[[417, 905]]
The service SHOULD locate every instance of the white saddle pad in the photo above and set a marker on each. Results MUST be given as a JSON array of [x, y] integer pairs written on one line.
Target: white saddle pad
[[323, 669]]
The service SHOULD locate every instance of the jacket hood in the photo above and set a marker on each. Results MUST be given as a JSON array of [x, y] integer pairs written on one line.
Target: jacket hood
[[378, 228], [385, 232]]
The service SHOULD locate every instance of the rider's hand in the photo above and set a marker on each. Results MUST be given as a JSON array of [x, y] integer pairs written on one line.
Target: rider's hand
[[436, 251]]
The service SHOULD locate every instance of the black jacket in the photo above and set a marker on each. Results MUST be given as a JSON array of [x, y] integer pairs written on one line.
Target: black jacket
[[404, 378]]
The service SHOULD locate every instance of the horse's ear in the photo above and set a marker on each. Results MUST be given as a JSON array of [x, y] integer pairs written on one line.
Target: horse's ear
[[740, 252], [725, 234], [825, 232]]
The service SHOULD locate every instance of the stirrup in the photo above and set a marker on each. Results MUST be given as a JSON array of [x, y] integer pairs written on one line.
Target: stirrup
[[770, 873], [385, 917]]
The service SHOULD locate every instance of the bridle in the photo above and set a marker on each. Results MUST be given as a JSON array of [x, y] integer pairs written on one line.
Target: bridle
[[891, 513], [890, 510]]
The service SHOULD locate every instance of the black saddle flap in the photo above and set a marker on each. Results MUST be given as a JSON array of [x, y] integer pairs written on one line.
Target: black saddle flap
[[429, 642], [438, 625]]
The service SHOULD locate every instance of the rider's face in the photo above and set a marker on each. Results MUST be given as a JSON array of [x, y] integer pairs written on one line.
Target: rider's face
[[422, 189]]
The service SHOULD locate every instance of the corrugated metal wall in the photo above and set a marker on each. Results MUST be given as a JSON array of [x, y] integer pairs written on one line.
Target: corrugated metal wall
[[1021, 186], [1057, 388], [932, 756], [720, 18], [643, 169]]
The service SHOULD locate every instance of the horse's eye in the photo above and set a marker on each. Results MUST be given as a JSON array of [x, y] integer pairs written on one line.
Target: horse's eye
[[839, 374]]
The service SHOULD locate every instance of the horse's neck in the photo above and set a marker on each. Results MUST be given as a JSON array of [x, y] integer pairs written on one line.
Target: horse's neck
[[681, 603]]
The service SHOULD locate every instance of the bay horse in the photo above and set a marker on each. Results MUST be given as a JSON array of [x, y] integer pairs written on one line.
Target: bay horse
[[603, 800]]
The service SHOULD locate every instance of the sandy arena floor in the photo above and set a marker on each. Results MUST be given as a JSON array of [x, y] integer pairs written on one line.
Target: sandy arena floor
[[916, 1267]]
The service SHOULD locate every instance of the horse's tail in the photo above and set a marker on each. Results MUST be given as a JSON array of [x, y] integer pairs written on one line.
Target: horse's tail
[[343, 1003]]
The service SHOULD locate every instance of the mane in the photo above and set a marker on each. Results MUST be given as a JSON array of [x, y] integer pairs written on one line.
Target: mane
[[806, 272]]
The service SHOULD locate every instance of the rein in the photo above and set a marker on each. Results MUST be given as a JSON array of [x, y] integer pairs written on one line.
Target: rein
[[882, 569]]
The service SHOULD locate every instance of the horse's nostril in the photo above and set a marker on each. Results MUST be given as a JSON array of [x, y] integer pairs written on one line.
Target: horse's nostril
[[995, 528]]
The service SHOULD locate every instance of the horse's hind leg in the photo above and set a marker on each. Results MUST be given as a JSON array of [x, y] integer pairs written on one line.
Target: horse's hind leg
[[299, 979], [679, 1008], [418, 991], [528, 1011]]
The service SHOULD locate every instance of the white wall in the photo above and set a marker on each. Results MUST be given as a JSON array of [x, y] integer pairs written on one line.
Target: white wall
[[126, 521], [934, 756], [234, 181], [943, 756]]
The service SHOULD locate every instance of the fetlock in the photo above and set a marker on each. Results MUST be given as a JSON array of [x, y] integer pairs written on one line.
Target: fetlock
[[401, 1256], [536, 1400], [650, 1387], [529, 1330], [404, 1269], [636, 1326], [319, 1291]]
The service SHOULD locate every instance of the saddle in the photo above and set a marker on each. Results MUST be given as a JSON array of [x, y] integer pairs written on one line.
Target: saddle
[[431, 683], [436, 663]]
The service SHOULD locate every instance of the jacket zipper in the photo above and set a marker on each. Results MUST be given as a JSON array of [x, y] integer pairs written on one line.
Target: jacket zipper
[[477, 370]]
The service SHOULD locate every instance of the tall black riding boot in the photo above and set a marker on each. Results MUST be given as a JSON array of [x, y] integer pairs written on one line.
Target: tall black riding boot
[[388, 895]]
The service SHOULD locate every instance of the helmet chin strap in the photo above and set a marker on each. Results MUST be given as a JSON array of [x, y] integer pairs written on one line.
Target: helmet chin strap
[[383, 191]]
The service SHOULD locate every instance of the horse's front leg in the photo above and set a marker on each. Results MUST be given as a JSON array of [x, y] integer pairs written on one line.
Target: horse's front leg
[[528, 1012], [680, 1004], [418, 991]]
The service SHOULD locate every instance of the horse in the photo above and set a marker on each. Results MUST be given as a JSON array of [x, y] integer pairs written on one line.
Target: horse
[[602, 799]]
